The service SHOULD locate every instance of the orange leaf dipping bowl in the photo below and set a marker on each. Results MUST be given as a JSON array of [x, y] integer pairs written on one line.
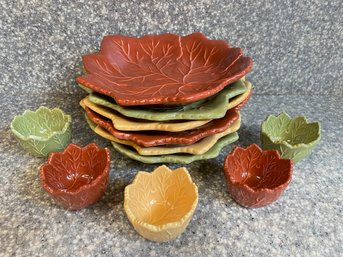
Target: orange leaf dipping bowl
[[77, 177], [256, 178]]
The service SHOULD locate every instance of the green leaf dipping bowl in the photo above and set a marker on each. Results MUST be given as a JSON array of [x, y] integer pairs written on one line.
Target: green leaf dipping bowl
[[42, 131], [294, 138]]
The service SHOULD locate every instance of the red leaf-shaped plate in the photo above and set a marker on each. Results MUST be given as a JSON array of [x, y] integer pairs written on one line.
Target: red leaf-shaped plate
[[162, 69], [156, 138]]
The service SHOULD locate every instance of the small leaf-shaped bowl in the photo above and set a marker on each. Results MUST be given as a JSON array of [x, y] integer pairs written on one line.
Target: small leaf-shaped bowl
[[256, 178], [294, 138], [160, 204], [77, 177], [42, 131]]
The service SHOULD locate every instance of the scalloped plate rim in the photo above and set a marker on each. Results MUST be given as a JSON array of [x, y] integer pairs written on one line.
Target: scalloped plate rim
[[220, 84], [176, 115]]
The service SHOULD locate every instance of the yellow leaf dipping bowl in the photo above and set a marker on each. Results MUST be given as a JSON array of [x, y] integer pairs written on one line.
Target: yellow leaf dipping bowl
[[161, 204]]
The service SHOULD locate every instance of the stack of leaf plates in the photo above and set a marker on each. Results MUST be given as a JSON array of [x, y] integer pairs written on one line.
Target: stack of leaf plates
[[166, 98]]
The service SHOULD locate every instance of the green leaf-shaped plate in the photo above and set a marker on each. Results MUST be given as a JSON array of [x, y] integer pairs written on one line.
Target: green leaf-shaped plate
[[172, 158], [42, 131], [294, 138], [214, 108]]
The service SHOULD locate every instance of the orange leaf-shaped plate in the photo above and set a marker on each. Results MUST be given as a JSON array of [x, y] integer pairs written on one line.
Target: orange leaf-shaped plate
[[155, 138], [162, 69]]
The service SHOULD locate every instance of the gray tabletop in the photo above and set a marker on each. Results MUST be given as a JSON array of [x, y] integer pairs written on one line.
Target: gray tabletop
[[297, 50]]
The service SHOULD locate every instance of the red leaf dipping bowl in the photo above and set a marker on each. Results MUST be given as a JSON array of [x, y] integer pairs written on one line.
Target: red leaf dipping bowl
[[256, 178], [77, 177], [162, 69]]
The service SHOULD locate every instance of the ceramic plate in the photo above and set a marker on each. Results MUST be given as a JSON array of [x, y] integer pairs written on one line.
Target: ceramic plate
[[120, 122], [177, 158], [173, 158], [240, 100], [162, 69], [214, 108], [199, 147], [155, 138]]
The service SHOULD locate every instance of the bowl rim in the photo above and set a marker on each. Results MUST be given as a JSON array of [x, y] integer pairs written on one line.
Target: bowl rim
[[264, 132], [159, 228], [125, 101], [57, 192], [40, 138], [247, 187]]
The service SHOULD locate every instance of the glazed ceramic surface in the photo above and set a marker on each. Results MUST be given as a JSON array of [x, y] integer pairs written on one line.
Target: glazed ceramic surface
[[294, 138], [126, 124], [240, 100], [77, 177], [173, 158], [256, 178], [199, 147], [162, 69], [149, 139], [177, 158], [214, 108], [42, 131], [161, 204]]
